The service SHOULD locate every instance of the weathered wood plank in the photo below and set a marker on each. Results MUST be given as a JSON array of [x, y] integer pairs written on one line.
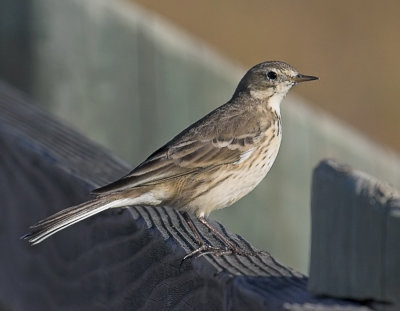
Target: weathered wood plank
[[355, 249], [126, 77], [116, 260]]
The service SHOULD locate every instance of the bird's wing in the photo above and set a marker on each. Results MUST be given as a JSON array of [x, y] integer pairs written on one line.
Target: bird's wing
[[202, 146]]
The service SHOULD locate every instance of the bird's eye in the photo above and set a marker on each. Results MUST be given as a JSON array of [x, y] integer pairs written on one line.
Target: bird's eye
[[272, 75]]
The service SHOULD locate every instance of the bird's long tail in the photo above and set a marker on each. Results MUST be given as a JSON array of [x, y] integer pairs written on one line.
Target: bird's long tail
[[67, 217]]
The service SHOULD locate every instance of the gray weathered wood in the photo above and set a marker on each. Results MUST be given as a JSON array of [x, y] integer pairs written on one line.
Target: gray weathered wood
[[125, 76], [116, 260], [355, 250]]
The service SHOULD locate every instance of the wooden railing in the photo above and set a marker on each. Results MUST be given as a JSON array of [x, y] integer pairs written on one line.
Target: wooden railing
[[130, 259], [131, 80], [355, 247]]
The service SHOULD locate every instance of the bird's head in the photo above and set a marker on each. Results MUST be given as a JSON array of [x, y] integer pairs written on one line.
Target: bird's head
[[270, 81]]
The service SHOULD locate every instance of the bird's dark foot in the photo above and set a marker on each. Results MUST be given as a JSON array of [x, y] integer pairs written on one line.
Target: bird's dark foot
[[207, 250], [220, 251]]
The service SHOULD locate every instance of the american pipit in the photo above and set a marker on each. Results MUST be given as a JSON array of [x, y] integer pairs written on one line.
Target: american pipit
[[208, 166]]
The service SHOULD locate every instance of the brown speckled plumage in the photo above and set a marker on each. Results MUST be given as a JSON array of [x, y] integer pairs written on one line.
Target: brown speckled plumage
[[208, 166]]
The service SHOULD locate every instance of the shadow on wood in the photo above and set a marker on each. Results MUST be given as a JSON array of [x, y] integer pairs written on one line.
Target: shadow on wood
[[117, 260], [355, 249]]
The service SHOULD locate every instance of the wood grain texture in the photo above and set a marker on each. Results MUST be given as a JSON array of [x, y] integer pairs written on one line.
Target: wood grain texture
[[355, 236], [118, 260], [126, 77]]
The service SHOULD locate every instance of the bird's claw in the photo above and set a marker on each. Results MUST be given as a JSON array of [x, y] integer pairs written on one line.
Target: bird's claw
[[205, 249]]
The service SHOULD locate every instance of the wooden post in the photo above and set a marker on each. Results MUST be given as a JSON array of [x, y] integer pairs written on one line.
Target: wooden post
[[355, 250], [125, 260]]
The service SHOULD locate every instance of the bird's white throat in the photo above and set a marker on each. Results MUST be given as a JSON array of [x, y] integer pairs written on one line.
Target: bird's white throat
[[272, 96], [275, 102]]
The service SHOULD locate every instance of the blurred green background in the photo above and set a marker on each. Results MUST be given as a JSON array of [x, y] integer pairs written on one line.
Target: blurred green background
[[131, 76], [352, 45]]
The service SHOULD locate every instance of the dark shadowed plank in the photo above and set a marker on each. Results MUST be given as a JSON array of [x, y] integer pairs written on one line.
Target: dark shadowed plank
[[118, 260], [355, 236]]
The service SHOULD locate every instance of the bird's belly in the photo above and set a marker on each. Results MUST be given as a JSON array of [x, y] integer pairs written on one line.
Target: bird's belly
[[232, 184]]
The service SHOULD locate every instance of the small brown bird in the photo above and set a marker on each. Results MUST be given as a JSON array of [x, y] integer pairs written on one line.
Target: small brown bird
[[208, 166]]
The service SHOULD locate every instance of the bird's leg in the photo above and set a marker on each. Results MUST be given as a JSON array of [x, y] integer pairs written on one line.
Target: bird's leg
[[203, 248], [232, 249], [189, 222]]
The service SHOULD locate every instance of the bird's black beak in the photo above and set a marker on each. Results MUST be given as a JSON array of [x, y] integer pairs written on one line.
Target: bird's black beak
[[303, 78]]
